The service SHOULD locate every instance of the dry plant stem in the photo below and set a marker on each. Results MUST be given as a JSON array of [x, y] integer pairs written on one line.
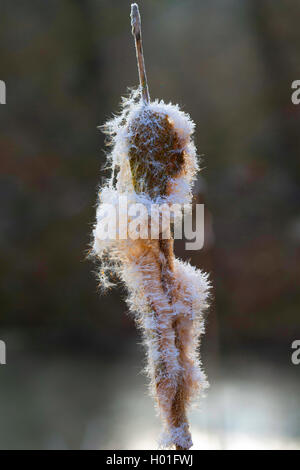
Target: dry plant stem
[[167, 271], [166, 261], [137, 33], [158, 282]]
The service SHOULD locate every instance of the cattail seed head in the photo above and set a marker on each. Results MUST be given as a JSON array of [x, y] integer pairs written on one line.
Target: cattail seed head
[[153, 161]]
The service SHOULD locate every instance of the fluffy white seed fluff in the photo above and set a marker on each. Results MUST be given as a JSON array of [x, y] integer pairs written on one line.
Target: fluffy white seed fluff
[[137, 263]]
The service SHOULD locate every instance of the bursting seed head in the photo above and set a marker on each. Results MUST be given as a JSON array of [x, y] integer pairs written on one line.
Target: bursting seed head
[[156, 153]]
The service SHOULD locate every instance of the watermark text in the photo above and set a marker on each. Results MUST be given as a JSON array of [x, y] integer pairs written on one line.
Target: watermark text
[[2, 92], [2, 352], [296, 354], [124, 220], [296, 94]]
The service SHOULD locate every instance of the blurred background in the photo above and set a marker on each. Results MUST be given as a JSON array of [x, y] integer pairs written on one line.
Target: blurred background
[[73, 375]]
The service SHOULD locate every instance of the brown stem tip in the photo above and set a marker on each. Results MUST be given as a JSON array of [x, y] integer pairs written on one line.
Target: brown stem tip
[[137, 33]]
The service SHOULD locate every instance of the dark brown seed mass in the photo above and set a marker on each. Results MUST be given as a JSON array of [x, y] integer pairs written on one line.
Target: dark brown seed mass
[[155, 153]]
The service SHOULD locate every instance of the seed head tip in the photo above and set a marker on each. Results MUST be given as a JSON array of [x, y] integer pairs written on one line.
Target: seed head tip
[[135, 19]]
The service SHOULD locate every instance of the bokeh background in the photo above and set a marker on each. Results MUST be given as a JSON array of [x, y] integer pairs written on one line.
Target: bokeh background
[[72, 379]]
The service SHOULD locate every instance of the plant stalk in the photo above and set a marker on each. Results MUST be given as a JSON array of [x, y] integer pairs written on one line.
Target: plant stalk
[[137, 33], [165, 246]]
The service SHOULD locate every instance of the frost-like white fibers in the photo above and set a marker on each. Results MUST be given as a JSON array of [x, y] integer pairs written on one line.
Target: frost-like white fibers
[[167, 296]]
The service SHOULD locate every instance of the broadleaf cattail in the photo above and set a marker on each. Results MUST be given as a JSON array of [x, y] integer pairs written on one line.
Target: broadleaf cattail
[[153, 161]]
